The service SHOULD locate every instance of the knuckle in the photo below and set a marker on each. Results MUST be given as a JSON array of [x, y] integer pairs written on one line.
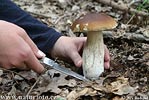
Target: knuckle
[[21, 56], [15, 63], [24, 55], [21, 32]]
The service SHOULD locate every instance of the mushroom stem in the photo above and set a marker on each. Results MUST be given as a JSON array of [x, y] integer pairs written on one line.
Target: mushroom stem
[[93, 55]]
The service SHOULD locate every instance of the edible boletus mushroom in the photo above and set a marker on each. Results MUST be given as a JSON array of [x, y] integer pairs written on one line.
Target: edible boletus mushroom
[[93, 54]]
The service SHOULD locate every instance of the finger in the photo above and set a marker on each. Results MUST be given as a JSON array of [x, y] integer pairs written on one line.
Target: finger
[[22, 67], [80, 42], [75, 55], [37, 52], [106, 65], [33, 63], [107, 58], [76, 58]]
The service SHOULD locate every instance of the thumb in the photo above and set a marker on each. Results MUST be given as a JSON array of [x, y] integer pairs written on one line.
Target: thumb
[[76, 58]]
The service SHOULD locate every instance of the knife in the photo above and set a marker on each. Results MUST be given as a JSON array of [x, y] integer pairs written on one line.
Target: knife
[[52, 64]]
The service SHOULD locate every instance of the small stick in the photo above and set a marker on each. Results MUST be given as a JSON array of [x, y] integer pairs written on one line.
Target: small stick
[[130, 36], [130, 19], [32, 87], [12, 72], [39, 14], [122, 7]]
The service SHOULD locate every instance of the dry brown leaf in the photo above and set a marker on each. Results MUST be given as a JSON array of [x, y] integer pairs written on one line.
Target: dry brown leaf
[[1, 72], [18, 77], [56, 82], [147, 63], [12, 92], [130, 57], [125, 89], [29, 75], [146, 56], [73, 95], [117, 98], [121, 86], [145, 31]]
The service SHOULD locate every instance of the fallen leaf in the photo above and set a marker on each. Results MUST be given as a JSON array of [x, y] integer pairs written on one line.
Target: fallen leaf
[[146, 56], [130, 57], [117, 98], [124, 89], [57, 80], [12, 92], [147, 63], [73, 95], [1, 72], [145, 31], [121, 86], [17, 77], [29, 75]]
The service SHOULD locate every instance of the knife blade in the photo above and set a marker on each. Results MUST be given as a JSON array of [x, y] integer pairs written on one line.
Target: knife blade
[[52, 64]]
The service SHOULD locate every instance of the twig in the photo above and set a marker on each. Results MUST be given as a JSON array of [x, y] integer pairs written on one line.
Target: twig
[[13, 72], [39, 14], [61, 17], [123, 7], [130, 36], [130, 19], [133, 1], [32, 87]]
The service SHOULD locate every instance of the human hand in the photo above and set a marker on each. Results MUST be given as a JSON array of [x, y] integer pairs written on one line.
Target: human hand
[[17, 49], [70, 48]]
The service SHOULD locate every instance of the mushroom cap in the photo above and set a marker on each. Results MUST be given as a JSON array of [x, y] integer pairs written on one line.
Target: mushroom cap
[[93, 22]]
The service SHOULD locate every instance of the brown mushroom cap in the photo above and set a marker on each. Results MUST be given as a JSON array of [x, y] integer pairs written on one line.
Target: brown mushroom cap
[[93, 22]]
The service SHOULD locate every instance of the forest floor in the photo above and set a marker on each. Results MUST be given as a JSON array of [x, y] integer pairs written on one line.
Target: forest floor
[[128, 76]]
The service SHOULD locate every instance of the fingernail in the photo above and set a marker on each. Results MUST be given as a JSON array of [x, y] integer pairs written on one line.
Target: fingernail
[[41, 53], [107, 66], [79, 63]]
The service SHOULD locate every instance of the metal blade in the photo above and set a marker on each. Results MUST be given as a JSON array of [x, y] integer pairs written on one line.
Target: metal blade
[[64, 70]]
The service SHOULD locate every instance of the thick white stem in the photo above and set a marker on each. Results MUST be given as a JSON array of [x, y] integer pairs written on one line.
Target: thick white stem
[[93, 55]]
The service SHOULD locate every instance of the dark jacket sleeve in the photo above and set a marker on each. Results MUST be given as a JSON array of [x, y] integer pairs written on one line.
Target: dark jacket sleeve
[[43, 36]]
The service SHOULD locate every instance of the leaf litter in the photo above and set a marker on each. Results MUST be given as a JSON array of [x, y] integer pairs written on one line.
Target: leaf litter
[[127, 77]]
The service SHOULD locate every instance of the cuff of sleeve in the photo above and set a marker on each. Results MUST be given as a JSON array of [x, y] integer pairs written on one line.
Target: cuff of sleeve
[[51, 41]]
